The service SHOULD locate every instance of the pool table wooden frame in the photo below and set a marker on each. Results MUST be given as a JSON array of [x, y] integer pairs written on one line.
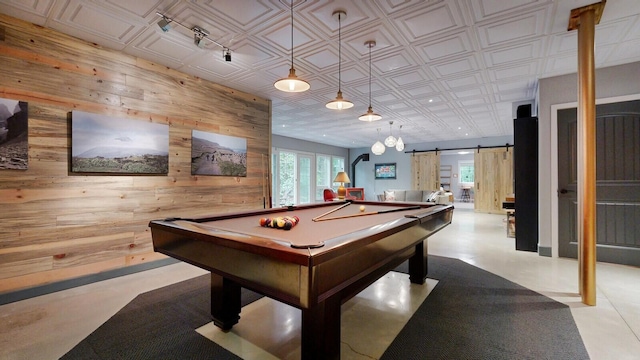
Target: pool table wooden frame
[[343, 257]]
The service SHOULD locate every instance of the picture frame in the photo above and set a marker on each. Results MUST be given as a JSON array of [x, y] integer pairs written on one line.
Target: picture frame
[[217, 154], [103, 144], [385, 171], [14, 143]]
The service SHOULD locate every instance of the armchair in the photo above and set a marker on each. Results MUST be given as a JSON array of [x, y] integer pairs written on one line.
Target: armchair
[[329, 195]]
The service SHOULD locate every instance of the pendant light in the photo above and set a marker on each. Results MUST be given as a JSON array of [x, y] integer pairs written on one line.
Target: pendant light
[[378, 148], [339, 103], [292, 83], [370, 115], [399, 143], [390, 141]]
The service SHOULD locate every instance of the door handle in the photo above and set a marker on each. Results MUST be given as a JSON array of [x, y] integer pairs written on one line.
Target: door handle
[[564, 191]]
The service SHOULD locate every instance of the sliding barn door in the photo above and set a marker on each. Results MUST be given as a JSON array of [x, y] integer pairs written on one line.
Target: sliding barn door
[[425, 168], [493, 179]]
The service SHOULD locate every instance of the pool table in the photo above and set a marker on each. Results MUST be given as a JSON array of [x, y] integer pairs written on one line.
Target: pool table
[[335, 251]]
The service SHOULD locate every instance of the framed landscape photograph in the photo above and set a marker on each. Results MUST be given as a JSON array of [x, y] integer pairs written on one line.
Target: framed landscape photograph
[[215, 154], [385, 171], [105, 144], [14, 144]]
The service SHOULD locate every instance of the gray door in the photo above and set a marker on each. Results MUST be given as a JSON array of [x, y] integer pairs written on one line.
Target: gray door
[[617, 183]]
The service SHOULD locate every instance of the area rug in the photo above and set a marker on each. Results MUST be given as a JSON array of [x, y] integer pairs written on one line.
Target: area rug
[[471, 314], [474, 314]]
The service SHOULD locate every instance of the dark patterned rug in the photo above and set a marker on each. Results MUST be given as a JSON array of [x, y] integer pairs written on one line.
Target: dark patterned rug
[[471, 314]]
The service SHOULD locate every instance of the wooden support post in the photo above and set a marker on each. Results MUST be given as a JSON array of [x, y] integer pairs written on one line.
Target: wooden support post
[[584, 20]]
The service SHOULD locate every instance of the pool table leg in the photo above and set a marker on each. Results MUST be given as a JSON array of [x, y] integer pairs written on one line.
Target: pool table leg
[[321, 330], [418, 264], [225, 302]]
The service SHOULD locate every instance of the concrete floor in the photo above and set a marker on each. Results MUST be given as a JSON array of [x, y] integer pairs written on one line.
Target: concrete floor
[[48, 326]]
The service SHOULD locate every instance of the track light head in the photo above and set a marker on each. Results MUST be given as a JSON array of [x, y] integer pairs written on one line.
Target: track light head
[[199, 41], [198, 36], [226, 54], [165, 24]]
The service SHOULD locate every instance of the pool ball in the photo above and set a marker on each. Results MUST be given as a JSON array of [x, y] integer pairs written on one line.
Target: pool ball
[[362, 208]]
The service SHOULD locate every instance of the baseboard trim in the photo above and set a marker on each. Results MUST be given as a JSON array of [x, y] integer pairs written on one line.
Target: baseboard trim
[[544, 251], [19, 295]]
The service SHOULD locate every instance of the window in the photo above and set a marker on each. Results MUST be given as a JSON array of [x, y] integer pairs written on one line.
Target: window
[[327, 167], [287, 178], [294, 178], [466, 169], [337, 165], [323, 174]]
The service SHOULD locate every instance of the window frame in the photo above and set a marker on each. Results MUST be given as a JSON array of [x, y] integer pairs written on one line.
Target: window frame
[[316, 158], [466, 163]]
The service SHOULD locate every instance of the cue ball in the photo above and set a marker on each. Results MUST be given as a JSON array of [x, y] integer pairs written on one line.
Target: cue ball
[[361, 208]]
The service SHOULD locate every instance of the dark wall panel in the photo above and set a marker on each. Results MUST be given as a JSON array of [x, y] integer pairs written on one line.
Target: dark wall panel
[[526, 182]]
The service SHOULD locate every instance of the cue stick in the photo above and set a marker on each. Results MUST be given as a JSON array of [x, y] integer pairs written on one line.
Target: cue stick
[[330, 211], [370, 213], [264, 193]]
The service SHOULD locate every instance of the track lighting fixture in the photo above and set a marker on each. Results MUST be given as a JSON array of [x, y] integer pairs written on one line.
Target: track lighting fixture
[[200, 35], [292, 83], [339, 103]]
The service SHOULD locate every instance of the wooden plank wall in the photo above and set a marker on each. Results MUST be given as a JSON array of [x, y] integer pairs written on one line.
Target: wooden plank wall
[[57, 225]]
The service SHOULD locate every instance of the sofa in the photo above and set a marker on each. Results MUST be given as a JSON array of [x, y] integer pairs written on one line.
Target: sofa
[[430, 196]]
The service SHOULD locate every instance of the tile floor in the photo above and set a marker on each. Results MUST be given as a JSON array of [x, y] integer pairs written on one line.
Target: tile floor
[[48, 326]]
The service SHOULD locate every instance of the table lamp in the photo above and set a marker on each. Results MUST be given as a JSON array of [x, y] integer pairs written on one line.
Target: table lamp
[[342, 178]]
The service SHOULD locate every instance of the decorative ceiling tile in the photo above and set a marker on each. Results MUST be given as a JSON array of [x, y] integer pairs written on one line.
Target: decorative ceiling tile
[[461, 82], [391, 62], [564, 42], [411, 77], [431, 21], [500, 73], [105, 27], [469, 93], [514, 53], [455, 45], [627, 51], [140, 8], [438, 64], [322, 59], [245, 14], [634, 31], [250, 54], [454, 67], [422, 90], [487, 9], [562, 64], [154, 45], [33, 11], [521, 28]]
